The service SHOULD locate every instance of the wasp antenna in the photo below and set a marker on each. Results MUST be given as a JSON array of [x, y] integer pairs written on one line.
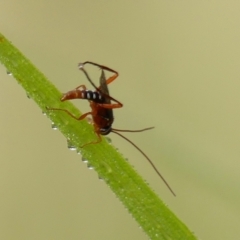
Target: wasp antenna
[[140, 130], [153, 166], [81, 67]]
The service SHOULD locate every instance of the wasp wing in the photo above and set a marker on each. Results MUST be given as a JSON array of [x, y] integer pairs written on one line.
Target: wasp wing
[[104, 88]]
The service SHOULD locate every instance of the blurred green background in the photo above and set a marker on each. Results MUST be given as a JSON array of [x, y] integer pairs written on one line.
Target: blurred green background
[[179, 71]]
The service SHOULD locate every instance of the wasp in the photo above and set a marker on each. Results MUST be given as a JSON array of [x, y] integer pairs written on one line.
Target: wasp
[[102, 105]]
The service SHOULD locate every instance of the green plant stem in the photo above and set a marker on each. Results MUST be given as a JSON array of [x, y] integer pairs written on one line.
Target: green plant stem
[[149, 211]]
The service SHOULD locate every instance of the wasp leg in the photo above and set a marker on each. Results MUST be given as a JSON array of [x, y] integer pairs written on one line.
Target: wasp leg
[[70, 114], [96, 130], [82, 86], [109, 80]]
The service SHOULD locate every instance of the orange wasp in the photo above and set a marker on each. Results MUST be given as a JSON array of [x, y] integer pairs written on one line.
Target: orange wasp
[[102, 109]]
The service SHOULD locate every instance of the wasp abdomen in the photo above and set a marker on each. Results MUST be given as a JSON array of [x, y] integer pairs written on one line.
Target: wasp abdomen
[[83, 94]]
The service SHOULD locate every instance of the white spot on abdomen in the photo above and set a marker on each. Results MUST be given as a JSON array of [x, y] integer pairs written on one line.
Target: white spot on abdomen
[[83, 95], [88, 95]]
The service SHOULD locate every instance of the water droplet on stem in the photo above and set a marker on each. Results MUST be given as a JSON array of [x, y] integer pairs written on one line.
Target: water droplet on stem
[[71, 146]]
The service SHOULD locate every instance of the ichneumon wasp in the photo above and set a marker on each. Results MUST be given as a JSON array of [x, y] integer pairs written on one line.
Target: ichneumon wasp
[[102, 105]]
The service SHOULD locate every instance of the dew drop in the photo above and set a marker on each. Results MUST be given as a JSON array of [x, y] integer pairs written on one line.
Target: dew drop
[[84, 160], [193, 233], [109, 140], [89, 166], [9, 73], [79, 151], [71, 146], [54, 126]]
